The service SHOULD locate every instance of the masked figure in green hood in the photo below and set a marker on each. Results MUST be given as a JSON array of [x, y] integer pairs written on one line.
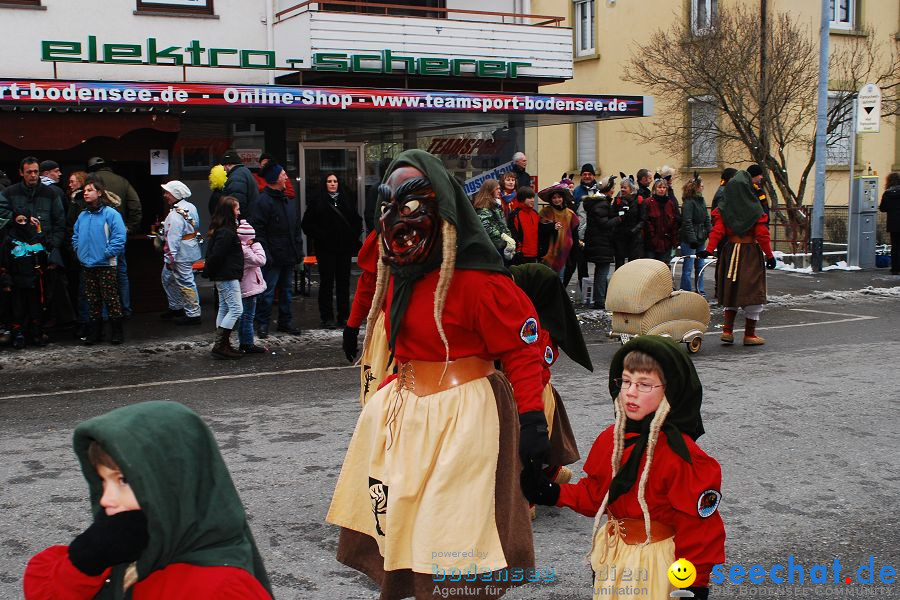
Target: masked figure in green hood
[[744, 255], [658, 490], [434, 461], [168, 522]]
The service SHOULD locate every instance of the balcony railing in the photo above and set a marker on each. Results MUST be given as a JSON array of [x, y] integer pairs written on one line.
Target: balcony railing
[[405, 10]]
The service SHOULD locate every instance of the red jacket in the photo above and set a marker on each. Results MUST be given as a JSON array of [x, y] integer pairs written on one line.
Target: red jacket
[[523, 224], [51, 576], [661, 233], [760, 232], [675, 492], [367, 260], [499, 324]]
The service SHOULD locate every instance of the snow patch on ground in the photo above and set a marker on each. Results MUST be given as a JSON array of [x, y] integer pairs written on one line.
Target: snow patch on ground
[[780, 265], [864, 293], [67, 353]]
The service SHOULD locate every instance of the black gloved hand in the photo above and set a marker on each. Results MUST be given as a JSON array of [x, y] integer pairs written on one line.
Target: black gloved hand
[[703, 254], [351, 342], [770, 263], [701, 593], [694, 245], [534, 439], [110, 541], [537, 487]]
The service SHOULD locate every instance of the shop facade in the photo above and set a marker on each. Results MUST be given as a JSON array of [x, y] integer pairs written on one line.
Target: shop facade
[[161, 89]]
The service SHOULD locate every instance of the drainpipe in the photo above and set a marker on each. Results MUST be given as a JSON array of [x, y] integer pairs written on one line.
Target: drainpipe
[[270, 32]]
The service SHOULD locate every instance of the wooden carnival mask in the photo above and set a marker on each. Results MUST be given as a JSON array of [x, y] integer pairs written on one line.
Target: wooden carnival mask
[[410, 223]]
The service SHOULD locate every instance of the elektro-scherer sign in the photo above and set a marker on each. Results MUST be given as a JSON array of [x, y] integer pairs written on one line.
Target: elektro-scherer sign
[[151, 52], [160, 96]]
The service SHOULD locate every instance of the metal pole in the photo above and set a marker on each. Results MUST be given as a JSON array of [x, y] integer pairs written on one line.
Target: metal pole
[[818, 213], [852, 168]]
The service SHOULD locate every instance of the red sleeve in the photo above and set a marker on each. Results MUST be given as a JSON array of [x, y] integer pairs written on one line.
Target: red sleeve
[[695, 492], [51, 576], [367, 260], [761, 232], [260, 182], [240, 585], [717, 233], [504, 317], [586, 495], [289, 189]]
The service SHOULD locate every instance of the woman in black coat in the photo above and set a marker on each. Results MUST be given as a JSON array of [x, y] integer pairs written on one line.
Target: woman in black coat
[[890, 204], [598, 237], [333, 224]]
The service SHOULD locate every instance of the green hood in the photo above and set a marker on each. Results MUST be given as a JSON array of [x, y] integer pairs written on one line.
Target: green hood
[[684, 393], [740, 208], [542, 285], [174, 467]]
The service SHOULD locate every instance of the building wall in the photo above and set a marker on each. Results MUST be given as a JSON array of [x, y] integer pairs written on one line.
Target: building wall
[[236, 24], [619, 23]]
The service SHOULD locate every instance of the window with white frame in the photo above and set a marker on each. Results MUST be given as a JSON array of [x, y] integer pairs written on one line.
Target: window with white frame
[[837, 141], [842, 14], [585, 142], [703, 15], [584, 28], [704, 133]]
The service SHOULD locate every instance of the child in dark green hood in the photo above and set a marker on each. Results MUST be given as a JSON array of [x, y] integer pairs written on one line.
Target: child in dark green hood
[[660, 493], [168, 522]]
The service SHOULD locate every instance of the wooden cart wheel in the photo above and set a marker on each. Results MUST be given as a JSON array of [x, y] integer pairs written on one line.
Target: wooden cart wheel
[[693, 346]]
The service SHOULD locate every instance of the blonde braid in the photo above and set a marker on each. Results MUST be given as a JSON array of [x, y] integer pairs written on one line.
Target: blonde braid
[[448, 263], [655, 426], [382, 273], [615, 460]]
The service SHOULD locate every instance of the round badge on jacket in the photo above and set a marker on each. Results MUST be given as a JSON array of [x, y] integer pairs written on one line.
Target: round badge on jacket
[[529, 331], [708, 503]]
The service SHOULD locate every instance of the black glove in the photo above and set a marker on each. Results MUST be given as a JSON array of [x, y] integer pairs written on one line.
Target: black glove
[[701, 593], [694, 245], [537, 487], [110, 541], [770, 263], [534, 440], [351, 342], [703, 254]]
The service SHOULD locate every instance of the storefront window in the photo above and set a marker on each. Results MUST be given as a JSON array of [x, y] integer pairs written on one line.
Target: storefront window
[[176, 6]]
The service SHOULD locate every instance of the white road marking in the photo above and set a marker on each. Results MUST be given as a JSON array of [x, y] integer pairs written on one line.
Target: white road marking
[[134, 386], [851, 318]]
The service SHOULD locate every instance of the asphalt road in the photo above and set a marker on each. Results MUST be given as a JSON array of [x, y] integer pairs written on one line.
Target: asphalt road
[[806, 430]]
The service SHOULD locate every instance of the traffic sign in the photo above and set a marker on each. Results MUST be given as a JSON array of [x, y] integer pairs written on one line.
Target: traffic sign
[[868, 112]]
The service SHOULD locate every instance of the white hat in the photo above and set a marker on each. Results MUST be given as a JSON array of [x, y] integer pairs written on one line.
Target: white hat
[[177, 189]]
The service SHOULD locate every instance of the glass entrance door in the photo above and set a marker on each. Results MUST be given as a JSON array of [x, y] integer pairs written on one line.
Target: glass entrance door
[[319, 159]]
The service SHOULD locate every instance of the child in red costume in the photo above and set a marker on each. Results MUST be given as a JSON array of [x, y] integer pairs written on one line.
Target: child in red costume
[[660, 494], [168, 521]]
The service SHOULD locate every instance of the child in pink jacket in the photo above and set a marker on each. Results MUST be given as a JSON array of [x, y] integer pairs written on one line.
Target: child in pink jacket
[[252, 284]]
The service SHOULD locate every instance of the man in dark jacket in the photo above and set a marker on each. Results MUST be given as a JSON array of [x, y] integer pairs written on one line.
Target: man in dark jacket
[[240, 183], [890, 204], [576, 256], [727, 174], [520, 161], [40, 201], [130, 209], [276, 219]]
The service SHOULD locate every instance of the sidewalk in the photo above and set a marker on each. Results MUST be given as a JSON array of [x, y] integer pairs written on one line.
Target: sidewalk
[[147, 334]]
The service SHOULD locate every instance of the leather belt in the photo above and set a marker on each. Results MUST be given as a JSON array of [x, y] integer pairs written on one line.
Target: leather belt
[[189, 236], [423, 378], [632, 531], [742, 239]]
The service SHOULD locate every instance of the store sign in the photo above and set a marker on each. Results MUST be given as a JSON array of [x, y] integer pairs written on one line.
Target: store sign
[[462, 146], [388, 62], [473, 184], [157, 95], [153, 53], [868, 112]]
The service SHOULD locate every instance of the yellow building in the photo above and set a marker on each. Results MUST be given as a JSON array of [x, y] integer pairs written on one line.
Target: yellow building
[[606, 33]]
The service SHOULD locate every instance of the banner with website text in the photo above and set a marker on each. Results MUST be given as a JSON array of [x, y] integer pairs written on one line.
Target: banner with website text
[[175, 95]]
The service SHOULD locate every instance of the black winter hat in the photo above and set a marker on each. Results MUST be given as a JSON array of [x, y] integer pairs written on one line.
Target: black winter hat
[[231, 158], [754, 170], [587, 168], [48, 165]]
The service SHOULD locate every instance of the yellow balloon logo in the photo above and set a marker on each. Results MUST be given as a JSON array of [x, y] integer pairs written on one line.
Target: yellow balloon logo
[[682, 573]]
